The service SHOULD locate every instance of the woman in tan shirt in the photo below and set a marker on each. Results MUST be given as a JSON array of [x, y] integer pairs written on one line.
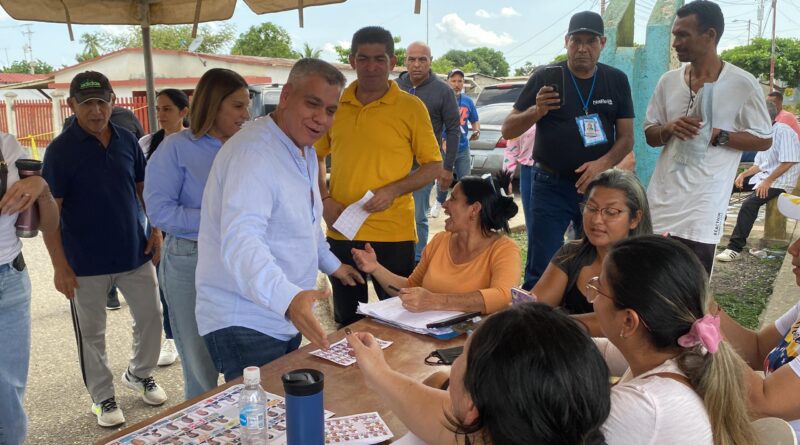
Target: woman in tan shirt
[[472, 265]]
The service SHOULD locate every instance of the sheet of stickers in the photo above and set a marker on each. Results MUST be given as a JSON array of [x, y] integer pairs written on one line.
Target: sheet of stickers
[[339, 352], [215, 421]]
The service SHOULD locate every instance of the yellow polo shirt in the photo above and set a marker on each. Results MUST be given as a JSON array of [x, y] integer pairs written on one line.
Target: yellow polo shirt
[[373, 145]]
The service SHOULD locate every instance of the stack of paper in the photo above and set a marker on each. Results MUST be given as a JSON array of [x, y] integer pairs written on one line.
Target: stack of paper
[[391, 312]]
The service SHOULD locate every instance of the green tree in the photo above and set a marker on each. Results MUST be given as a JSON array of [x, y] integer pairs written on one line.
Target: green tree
[[311, 52], [177, 37], [525, 70], [558, 58], [442, 65], [484, 60], [23, 66], [92, 47], [265, 40], [754, 58]]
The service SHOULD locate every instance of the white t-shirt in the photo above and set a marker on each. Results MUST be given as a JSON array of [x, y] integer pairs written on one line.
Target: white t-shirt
[[785, 148], [651, 409], [144, 142], [690, 202], [10, 245]]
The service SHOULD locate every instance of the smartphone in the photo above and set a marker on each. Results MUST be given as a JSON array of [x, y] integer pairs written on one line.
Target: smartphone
[[554, 78], [452, 320], [519, 296]]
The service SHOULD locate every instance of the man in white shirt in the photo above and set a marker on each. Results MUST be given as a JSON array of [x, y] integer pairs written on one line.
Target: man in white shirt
[[773, 172], [688, 200], [261, 243]]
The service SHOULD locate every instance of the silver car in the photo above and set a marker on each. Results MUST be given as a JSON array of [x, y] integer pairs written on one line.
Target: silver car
[[488, 151]]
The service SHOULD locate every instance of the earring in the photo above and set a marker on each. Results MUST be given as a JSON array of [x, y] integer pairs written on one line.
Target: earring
[[621, 333]]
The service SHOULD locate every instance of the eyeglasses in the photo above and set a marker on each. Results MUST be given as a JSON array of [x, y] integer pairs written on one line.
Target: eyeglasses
[[593, 290], [605, 212]]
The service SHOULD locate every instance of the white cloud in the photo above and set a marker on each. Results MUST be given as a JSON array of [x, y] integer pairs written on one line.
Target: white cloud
[[470, 34], [508, 12], [330, 47], [482, 13]]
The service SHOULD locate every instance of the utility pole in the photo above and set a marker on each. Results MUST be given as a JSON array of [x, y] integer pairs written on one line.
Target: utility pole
[[760, 17], [772, 54], [27, 49], [602, 7], [748, 31]]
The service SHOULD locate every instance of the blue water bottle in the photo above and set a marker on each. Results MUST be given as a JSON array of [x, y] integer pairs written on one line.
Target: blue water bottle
[[305, 422]]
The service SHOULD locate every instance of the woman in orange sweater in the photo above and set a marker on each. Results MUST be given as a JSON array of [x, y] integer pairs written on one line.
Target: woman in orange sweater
[[469, 267]]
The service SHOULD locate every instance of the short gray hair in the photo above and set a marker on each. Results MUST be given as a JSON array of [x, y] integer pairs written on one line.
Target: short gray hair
[[772, 109], [308, 66]]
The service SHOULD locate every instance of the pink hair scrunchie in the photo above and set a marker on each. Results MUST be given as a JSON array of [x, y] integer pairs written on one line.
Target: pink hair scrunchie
[[705, 331]]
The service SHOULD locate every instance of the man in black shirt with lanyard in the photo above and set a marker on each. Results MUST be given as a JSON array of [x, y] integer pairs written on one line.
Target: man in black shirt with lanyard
[[590, 133]]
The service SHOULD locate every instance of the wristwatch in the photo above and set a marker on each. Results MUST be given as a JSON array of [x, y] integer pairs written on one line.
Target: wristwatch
[[722, 139]]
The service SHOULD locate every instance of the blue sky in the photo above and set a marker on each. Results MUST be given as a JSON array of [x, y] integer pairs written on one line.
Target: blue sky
[[530, 30]]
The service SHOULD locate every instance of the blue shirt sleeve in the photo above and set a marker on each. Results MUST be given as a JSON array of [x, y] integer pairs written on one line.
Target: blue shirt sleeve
[[473, 112], [162, 190]]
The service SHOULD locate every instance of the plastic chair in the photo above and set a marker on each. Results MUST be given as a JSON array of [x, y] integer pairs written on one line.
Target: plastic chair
[[774, 431]]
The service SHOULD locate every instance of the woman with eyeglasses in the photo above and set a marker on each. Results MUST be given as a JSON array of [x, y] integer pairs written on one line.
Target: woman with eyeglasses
[[681, 382], [469, 267], [615, 208]]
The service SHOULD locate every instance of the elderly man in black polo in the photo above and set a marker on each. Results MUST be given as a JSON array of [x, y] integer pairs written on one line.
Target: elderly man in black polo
[[95, 171]]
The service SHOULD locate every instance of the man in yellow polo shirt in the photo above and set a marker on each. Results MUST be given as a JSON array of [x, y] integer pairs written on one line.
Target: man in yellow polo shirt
[[377, 132]]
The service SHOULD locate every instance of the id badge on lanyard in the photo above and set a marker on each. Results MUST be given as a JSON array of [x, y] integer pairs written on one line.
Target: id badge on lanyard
[[591, 129], [590, 126]]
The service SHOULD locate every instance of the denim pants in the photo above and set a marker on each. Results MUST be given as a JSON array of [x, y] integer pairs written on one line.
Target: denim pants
[[422, 204], [15, 350], [462, 167], [554, 203], [526, 193], [235, 348], [178, 263]]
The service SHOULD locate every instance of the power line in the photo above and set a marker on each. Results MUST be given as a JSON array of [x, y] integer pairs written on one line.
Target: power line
[[539, 33], [549, 41]]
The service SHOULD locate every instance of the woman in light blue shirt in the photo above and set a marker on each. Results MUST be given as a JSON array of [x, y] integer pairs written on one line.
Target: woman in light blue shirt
[[173, 190]]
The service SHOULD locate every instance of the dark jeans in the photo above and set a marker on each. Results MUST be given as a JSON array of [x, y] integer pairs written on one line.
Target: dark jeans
[[398, 257], [747, 217], [235, 348], [704, 252], [526, 193], [554, 202]]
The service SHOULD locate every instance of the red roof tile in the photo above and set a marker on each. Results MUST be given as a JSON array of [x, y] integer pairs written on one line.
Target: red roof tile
[[6, 78]]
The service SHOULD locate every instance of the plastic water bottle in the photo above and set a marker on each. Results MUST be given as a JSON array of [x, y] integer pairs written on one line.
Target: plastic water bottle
[[253, 409]]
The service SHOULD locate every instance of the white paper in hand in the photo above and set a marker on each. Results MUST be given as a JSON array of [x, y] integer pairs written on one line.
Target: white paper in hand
[[353, 217]]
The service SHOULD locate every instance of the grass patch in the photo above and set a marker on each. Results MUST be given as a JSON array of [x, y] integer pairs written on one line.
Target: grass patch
[[745, 301]]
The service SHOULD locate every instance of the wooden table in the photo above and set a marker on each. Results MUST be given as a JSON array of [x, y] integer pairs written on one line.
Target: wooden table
[[345, 392]]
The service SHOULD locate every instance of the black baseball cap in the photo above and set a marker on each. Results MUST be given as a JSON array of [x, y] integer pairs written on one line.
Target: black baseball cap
[[90, 85], [455, 71], [586, 21]]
